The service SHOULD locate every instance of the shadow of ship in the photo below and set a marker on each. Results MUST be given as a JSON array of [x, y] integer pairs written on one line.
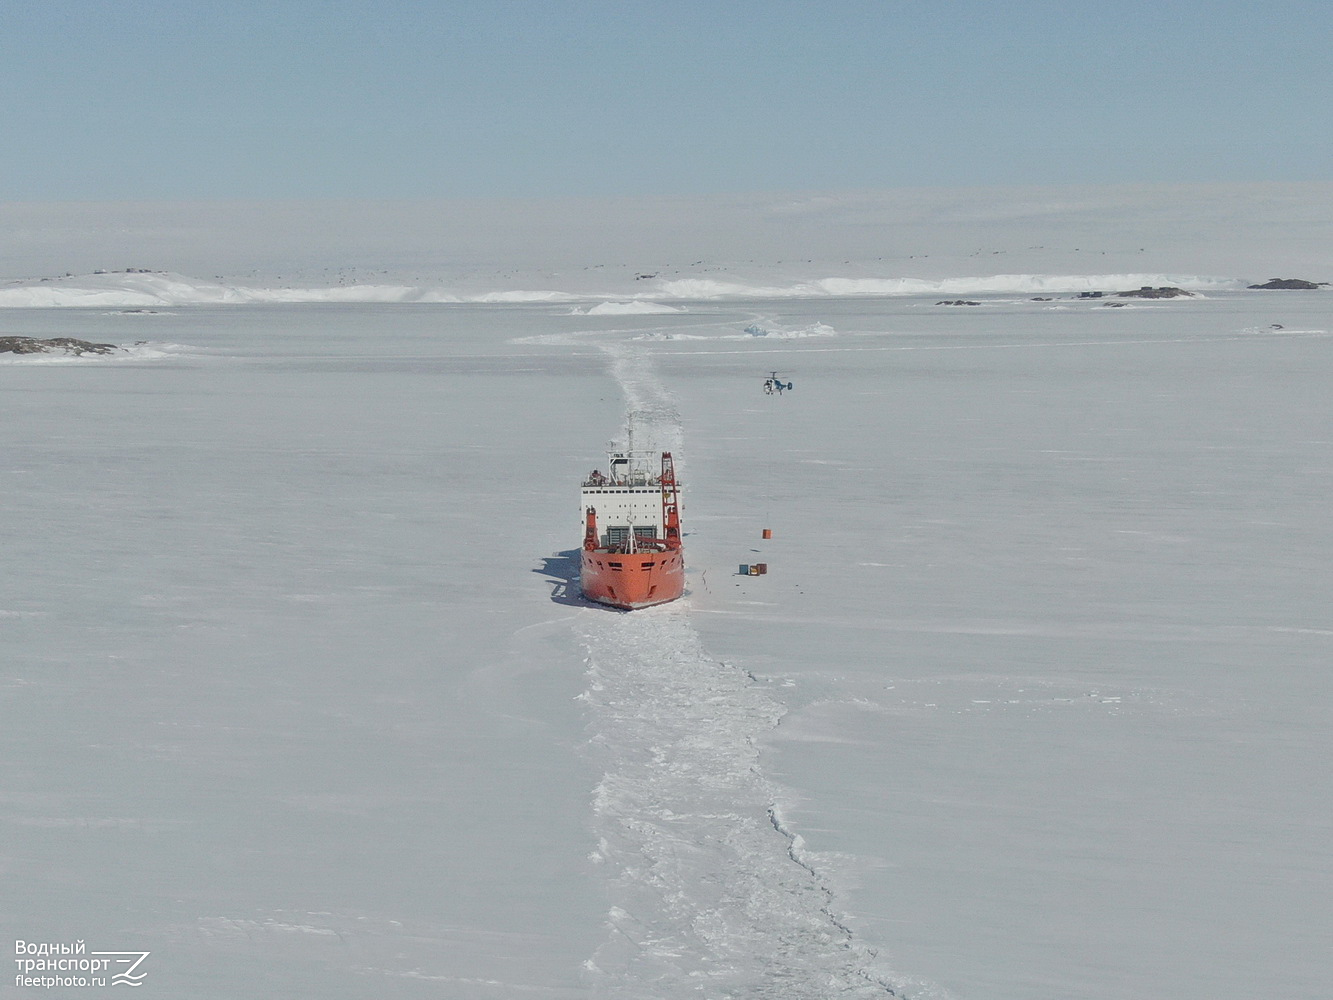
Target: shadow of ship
[[562, 572]]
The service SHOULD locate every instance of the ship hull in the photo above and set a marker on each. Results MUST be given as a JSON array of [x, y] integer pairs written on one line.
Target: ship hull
[[632, 580]]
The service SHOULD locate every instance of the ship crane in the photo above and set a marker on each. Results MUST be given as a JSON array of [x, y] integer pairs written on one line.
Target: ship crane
[[773, 384]]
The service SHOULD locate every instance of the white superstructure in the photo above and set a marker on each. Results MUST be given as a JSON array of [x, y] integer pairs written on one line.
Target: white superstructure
[[628, 496]]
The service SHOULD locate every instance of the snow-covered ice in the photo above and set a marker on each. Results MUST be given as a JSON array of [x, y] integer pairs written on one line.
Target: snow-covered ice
[[1033, 702]]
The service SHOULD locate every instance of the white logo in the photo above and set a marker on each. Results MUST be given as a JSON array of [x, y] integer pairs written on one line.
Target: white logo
[[132, 959], [70, 963]]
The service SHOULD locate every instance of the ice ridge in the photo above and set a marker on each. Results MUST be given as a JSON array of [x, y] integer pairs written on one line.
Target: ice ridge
[[143, 289]]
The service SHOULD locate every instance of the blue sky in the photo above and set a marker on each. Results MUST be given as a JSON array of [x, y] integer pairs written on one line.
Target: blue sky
[[147, 100]]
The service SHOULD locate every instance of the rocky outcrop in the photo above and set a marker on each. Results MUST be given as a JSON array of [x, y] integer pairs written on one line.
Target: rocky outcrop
[[56, 345], [958, 302], [1293, 284], [1148, 292]]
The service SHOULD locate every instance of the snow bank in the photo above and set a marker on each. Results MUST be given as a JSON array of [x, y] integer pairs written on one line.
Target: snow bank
[[704, 288], [776, 331], [138, 290], [633, 308], [519, 295], [130, 290]]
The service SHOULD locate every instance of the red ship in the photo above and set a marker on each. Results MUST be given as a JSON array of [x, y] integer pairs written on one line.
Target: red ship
[[632, 555]]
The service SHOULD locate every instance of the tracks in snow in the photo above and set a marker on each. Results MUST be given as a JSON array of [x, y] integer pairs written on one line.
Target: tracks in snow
[[650, 406]]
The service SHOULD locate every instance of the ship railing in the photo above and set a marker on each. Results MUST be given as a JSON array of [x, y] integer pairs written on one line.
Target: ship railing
[[592, 483]]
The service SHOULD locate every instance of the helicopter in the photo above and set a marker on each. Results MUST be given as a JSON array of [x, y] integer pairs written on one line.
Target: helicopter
[[774, 384]]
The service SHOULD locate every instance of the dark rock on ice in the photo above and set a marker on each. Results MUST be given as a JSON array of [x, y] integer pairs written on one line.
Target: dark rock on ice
[[31, 345], [1148, 292], [1294, 284], [958, 302]]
